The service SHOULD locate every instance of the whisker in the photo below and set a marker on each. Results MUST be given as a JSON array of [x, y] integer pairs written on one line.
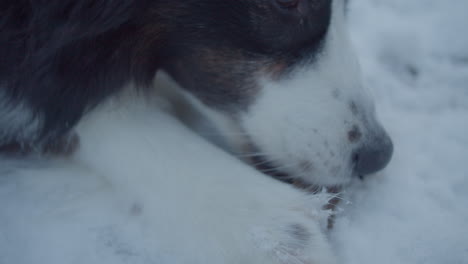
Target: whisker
[[223, 134], [250, 155], [270, 162], [279, 168]]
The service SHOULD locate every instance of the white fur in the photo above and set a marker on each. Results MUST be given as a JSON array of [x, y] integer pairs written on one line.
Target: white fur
[[143, 188]]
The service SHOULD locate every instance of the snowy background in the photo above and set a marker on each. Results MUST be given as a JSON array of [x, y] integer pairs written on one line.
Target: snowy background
[[415, 59]]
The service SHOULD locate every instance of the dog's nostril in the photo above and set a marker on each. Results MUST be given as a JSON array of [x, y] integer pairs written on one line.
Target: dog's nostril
[[372, 158]]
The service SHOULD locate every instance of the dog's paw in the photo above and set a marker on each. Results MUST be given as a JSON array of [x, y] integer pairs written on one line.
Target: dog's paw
[[296, 235], [293, 244], [285, 229]]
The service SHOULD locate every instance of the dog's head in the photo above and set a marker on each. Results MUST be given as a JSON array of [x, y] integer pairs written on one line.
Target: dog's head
[[285, 73]]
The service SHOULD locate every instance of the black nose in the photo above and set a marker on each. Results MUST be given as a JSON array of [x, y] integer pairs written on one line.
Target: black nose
[[373, 157]]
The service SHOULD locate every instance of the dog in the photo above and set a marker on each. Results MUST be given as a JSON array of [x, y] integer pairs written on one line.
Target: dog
[[281, 74], [277, 65]]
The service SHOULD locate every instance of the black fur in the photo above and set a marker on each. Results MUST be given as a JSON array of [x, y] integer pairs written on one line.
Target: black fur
[[60, 58]]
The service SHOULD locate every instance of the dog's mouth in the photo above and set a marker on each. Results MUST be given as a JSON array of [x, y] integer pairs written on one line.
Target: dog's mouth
[[267, 167], [264, 165]]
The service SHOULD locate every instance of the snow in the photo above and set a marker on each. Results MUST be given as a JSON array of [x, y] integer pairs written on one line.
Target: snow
[[414, 55], [415, 58]]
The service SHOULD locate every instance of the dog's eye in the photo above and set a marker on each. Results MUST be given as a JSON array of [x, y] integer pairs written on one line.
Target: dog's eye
[[287, 3], [289, 26]]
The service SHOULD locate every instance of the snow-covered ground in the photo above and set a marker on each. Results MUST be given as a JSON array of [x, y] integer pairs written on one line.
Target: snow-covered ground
[[415, 59]]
